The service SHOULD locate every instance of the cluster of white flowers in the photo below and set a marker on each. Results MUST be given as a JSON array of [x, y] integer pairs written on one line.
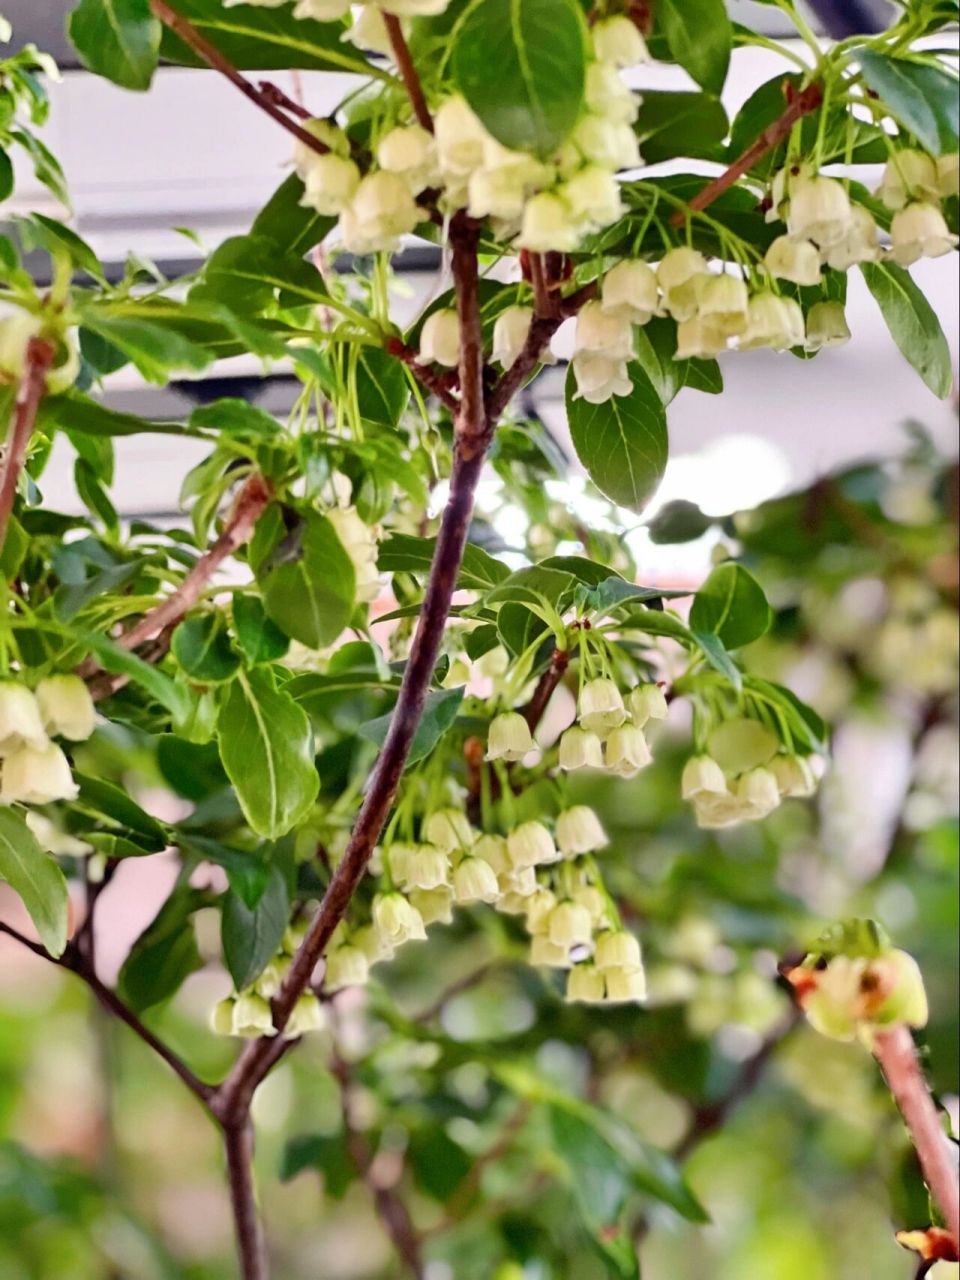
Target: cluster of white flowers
[[248, 1014], [34, 769], [913, 185], [609, 731], [334, 10], [744, 776]]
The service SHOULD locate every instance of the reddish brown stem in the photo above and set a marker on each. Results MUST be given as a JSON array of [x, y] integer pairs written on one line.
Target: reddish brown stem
[[897, 1056], [546, 303], [251, 1249], [798, 105], [408, 72], [37, 362], [211, 55], [546, 686], [438, 384], [273, 93]]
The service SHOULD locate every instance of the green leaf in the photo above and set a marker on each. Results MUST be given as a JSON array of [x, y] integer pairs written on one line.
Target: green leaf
[[700, 37], [202, 649], [440, 709], [165, 954], [119, 39], [235, 417], [6, 176], [382, 387], [671, 124], [622, 443], [260, 639], [600, 1177], [36, 879], [246, 272], [912, 323], [732, 606], [156, 351], [106, 801], [80, 413], [119, 661], [520, 65], [678, 521], [306, 577], [251, 935], [328, 1155], [267, 750], [404, 553], [70, 598], [656, 343], [40, 232], [920, 97], [288, 223], [537, 583]]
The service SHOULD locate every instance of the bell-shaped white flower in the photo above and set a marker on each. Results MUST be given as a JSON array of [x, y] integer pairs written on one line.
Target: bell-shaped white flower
[[538, 908], [509, 737], [66, 707], [714, 812], [948, 175], [547, 954], [449, 829], [860, 243], [740, 743], [594, 901], [325, 131], [37, 776], [600, 708], [600, 377], [493, 664], [346, 966], [330, 184], [251, 1017], [273, 976], [579, 830], [369, 32], [397, 920], [593, 196], [626, 751], [618, 41], [496, 193], [646, 702], [617, 949], [397, 857], [602, 332], [702, 776], [374, 944], [474, 880], [920, 231], [412, 153], [549, 225], [381, 211], [606, 94], [758, 793], [819, 210], [722, 302], [427, 868], [630, 291], [794, 260], [609, 143], [440, 339], [580, 750], [773, 322], [569, 925], [909, 175], [510, 332], [221, 1017], [413, 8], [519, 882], [826, 326], [625, 986], [435, 905], [677, 275], [698, 338], [459, 137], [458, 674], [307, 1015], [585, 985], [49, 837], [21, 722], [318, 10], [493, 849], [794, 775], [531, 845]]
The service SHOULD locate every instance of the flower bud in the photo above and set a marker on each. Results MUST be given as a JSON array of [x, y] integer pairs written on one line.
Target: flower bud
[[758, 793], [475, 881], [593, 196], [601, 708], [66, 707], [600, 377], [435, 905], [625, 986], [702, 776], [509, 737], [307, 1015], [948, 175], [826, 326], [860, 243], [585, 985], [493, 849], [919, 231], [427, 868], [496, 193], [21, 722], [646, 702], [630, 292], [531, 845], [459, 136], [819, 210], [440, 339], [714, 812], [794, 775], [16, 330], [396, 920], [330, 184], [369, 32], [609, 143], [773, 322], [549, 225], [272, 977], [547, 954], [579, 831], [346, 966], [538, 908], [722, 303], [909, 175], [676, 276], [449, 829], [626, 751], [618, 41], [607, 95], [569, 925], [411, 152], [50, 838], [698, 338], [907, 998], [740, 744], [580, 750], [617, 949], [510, 333], [221, 1017], [381, 211], [33, 776], [251, 1017], [601, 332], [794, 260]]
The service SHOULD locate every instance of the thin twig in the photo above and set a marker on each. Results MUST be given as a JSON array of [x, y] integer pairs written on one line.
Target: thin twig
[[408, 72], [545, 688], [895, 1052], [17, 936], [211, 55], [251, 1248], [438, 384], [798, 105], [273, 93], [37, 362]]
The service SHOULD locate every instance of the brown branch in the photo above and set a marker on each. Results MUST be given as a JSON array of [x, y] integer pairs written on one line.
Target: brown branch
[[546, 685], [238, 1144], [798, 105], [546, 302], [24, 941], [273, 93], [33, 383], [438, 384], [408, 72], [894, 1051], [211, 55]]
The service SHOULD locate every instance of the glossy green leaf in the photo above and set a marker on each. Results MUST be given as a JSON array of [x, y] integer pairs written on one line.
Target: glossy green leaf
[[383, 391], [622, 443], [732, 606], [913, 324], [247, 272], [656, 343], [202, 649], [235, 417], [165, 954], [119, 39], [156, 351], [35, 878], [251, 934], [110, 803], [260, 639], [700, 38], [670, 124], [306, 577], [678, 521], [405, 553], [81, 413], [288, 223], [267, 750], [520, 65], [119, 661], [920, 97], [439, 712]]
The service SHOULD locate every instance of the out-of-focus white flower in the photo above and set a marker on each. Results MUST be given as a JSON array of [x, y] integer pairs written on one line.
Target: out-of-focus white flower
[[66, 707], [909, 175], [741, 743], [359, 541], [474, 880], [677, 275], [599, 377], [509, 737], [411, 152], [618, 41], [449, 829], [625, 986], [794, 775], [414, 8], [307, 1015], [440, 339], [646, 702], [435, 905], [569, 925], [21, 719], [626, 751], [531, 845], [794, 260], [617, 949], [427, 868], [330, 184], [493, 849], [549, 225], [860, 242], [773, 322], [547, 954], [318, 10], [699, 338], [325, 131], [510, 333], [607, 95], [459, 136], [819, 210], [610, 143], [369, 31], [579, 830], [826, 326], [630, 291], [948, 175], [580, 750], [251, 1017], [397, 920], [758, 793], [37, 776], [50, 838], [585, 985], [702, 776], [381, 211], [16, 329], [920, 231], [345, 966], [593, 196]]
